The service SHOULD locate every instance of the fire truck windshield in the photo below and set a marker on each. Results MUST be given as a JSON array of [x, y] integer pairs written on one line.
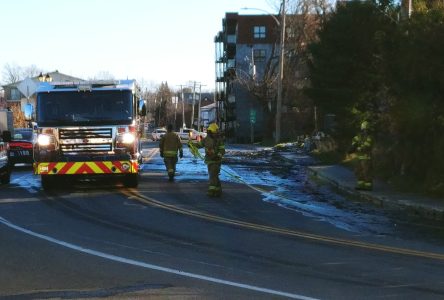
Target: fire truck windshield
[[84, 108]]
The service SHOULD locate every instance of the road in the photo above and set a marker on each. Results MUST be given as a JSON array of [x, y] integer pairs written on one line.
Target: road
[[167, 240]]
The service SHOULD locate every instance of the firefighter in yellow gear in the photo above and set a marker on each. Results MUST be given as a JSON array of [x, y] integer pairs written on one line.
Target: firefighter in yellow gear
[[214, 151], [169, 145], [362, 145]]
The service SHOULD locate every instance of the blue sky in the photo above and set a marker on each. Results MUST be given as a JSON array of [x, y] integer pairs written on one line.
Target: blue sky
[[151, 41]]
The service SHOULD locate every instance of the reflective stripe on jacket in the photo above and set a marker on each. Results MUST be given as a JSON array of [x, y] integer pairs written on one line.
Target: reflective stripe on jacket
[[363, 144], [169, 144], [214, 148]]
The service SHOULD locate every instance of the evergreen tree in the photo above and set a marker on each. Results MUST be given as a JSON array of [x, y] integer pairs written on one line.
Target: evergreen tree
[[349, 63]]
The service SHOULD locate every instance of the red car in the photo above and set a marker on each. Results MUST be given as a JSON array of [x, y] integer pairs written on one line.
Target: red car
[[20, 147]]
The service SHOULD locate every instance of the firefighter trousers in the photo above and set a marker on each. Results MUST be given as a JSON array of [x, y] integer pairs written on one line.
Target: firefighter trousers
[[364, 174], [170, 164], [214, 187]]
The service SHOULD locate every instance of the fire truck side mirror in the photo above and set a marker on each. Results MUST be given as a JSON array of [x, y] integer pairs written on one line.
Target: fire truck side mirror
[[142, 108], [29, 109], [6, 136]]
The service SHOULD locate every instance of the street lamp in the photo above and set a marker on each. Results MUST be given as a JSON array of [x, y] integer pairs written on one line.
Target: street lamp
[[280, 78], [45, 78]]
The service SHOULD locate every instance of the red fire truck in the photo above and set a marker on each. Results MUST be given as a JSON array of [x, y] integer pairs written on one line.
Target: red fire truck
[[88, 129]]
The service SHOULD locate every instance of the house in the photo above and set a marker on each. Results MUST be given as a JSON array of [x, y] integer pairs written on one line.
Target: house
[[2, 100], [18, 94], [208, 114]]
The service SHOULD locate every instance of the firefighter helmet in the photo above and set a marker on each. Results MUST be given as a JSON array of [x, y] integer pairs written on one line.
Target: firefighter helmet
[[213, 128]]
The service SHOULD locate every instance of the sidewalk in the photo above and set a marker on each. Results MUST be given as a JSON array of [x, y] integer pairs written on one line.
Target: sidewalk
[[382, 194]]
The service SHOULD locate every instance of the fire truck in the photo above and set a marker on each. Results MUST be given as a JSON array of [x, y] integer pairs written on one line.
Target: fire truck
[[87, 129]]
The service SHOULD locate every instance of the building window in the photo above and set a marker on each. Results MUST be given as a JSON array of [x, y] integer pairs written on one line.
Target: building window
[[231, 39], [15, 94], [259, 55], [231, 63], [259, 32]]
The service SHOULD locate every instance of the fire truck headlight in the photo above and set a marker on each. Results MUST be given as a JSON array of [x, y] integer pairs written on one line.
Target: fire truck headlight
[[43, 140], [128, 138]]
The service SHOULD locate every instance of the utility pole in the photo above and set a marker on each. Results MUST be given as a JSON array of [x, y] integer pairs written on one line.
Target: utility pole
[[154, 112], [176, 99], [160, 107], [200, 101], [406, 9], [183, 106], [281, 75], [192, 109], [409, 8]]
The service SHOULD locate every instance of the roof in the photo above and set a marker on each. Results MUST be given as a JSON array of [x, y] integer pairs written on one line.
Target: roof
[[208, 107], [56, 76], [83, 85]]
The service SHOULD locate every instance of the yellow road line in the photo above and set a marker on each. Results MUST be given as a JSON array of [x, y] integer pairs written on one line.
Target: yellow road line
[[331, 240], [15, 200]]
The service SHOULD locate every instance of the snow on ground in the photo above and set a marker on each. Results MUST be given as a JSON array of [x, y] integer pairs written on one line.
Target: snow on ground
[[280, 175]]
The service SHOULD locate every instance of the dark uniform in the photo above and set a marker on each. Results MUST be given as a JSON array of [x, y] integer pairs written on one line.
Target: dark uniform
[[214, 151], [169, 145], [362, 145]]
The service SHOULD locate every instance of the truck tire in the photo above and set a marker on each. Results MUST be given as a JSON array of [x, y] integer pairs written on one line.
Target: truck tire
[[131, 180], [47, 182]]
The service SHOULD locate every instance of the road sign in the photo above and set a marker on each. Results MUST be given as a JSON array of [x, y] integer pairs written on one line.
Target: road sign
[[252, 116], [27, 87]]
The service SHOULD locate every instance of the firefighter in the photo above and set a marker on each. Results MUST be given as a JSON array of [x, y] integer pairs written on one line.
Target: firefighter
[[214, 151], [169, 145], [362, 145]]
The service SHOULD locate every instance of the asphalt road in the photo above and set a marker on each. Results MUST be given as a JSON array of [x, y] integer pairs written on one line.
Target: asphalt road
[[168, 240]]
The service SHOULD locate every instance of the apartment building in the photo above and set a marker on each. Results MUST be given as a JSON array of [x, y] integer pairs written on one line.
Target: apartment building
[[246, 53]]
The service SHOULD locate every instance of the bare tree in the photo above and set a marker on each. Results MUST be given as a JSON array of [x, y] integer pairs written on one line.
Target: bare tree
[[31, 71], [103, 75], [305, 18], [164, 113], [11, 73]]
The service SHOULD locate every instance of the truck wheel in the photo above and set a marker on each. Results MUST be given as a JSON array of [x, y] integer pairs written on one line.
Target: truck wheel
[[131, 180], [6, 178], [47, 182]]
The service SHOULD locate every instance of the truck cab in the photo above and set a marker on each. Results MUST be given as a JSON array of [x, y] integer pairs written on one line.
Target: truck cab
[[88, 129]]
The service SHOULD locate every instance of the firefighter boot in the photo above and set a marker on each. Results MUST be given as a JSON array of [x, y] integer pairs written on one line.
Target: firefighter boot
[[170, 176], [218, 192]]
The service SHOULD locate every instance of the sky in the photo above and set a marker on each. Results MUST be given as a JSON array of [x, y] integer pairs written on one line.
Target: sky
[[150, 41]]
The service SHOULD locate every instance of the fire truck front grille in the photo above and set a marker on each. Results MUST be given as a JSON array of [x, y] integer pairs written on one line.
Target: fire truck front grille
[[86, 140]]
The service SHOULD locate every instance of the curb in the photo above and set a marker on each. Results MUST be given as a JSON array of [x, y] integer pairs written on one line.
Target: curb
[[414, 205], [362, 195]]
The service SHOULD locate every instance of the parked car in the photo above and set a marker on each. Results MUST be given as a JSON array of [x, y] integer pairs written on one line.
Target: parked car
[[158, 133], [20, 147], [191, 134], [5, 170]]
